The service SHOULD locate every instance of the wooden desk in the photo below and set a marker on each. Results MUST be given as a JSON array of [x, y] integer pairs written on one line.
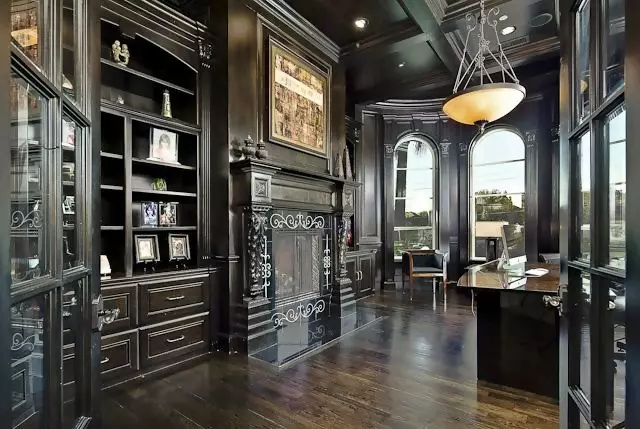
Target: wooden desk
[[517, 337]]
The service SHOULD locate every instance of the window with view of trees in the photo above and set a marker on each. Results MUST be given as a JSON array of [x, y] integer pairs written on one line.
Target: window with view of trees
[[415, 165], [497, 191]]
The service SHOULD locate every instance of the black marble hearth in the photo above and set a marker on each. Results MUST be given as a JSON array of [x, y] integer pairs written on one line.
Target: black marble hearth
[[305, 335]]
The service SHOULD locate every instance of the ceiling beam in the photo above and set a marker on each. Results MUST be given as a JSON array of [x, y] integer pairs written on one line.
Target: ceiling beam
[[419, 11], [394, 39], [381, 92]]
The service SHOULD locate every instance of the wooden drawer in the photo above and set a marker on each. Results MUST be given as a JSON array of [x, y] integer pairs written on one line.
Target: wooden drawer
[[165, 300], [119, 355], [167, 341], [124, 298]]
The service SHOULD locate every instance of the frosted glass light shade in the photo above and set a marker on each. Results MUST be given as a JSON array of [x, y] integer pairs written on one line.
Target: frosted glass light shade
[[484, 103]]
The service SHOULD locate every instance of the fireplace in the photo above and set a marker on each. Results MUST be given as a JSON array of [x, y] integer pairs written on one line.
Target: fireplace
[[300, 250]]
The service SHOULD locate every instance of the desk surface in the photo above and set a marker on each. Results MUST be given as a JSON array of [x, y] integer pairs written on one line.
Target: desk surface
[[487, 276]]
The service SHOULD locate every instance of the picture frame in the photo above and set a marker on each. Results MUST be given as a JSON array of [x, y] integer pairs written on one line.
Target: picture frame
[[163, 146], [68, 134], [167, 214], [69, 205], [298, 100], [147, 249], [148, 213], [179, 247]]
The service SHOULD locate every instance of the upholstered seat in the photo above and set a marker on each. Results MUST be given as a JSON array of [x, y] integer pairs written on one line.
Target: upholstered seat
[[423, 263]]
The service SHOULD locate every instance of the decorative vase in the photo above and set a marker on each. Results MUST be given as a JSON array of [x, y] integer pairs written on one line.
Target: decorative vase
[[249, 148], [262, 153], [166, 104], [348, 172]]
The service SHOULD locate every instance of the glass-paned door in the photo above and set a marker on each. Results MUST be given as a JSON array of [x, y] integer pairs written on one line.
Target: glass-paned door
[[594, 330], [48, 297]]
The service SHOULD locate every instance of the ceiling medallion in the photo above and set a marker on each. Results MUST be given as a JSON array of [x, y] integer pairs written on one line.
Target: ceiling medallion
[[491, 100]]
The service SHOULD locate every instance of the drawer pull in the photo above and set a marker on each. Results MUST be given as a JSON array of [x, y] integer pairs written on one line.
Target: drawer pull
[[105, 360], [175, 298], [175, 340]]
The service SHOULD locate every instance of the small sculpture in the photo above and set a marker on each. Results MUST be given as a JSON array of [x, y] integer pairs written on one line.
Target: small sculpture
[[166, 104], [348, 173], [262, 153], [120, 53], [249, 148], [338, 170], [120, 100]]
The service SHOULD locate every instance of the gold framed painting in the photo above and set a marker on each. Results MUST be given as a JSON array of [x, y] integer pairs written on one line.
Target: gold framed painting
[[298, 102]]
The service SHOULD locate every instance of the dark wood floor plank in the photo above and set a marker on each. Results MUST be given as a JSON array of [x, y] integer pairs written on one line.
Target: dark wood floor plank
[[414, 369]]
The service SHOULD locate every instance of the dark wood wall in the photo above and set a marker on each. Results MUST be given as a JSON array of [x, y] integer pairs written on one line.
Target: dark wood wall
[[536, 119], [240, 91]]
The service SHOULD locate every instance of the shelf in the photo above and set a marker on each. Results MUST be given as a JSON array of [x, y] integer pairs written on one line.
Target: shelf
[[146, 76], [172, 124], [69, 228], [110, 155], [163, 228], [111, 188], [163, 164], [167, 193], [68, 183], [68, 148], [112, 228]]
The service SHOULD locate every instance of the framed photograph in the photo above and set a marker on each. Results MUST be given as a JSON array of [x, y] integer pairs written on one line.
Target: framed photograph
[[168, 214], [179, 247], [69, 171], [147, 249], [149, 213], [163, 146], [68, 134], [298, 102], [69, 205]]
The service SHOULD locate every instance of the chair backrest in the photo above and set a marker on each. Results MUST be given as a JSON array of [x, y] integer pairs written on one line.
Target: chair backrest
[[427, 258]]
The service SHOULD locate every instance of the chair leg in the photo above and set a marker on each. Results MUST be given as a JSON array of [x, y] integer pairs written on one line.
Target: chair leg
[[410, 287]]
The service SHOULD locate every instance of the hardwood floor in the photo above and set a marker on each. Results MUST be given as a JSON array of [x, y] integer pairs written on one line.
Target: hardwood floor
[[415, 368]]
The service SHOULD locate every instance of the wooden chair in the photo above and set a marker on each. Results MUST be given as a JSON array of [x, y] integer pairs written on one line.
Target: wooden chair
[[424, 263]]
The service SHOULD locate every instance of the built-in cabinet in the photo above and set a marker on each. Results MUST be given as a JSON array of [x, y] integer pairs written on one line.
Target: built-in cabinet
[[361, 270]]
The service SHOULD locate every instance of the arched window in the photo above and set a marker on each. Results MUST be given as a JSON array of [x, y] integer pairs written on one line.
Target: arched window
[[415, 207], [497, 186]]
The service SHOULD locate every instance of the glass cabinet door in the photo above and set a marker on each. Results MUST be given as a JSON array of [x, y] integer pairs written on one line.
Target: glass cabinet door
[[27, 28]]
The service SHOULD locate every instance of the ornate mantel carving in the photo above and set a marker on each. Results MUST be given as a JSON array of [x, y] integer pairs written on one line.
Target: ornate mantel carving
[[257, 257]]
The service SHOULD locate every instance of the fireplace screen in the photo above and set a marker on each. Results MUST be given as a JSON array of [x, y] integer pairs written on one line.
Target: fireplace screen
[[300, 254]]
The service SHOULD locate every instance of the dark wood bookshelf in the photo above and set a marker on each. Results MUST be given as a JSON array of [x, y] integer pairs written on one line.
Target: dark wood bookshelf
[[111, 155], [165, 193], [163, 228], [141, 75], [164, 164], [154, 119], [111, 188], [112, 228]]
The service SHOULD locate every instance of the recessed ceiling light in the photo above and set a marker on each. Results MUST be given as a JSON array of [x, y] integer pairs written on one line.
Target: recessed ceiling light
[[540, 20], [361, 23], [503, 18], [401, 64], [508, 30]]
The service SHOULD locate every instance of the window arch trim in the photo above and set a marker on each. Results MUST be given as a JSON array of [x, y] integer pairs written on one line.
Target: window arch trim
[[433, 147], [471, 196]]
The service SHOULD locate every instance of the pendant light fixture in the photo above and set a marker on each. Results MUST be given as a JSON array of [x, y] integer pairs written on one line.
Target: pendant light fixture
[[490, 100]]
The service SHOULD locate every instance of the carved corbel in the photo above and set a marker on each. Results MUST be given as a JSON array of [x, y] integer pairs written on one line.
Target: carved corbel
[[256, 217]]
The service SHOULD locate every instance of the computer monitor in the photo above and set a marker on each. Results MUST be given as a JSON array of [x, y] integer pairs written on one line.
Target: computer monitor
[[513, 251]]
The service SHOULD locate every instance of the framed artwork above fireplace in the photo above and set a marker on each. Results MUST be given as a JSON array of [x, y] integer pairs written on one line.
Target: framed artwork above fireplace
[[298, 102]]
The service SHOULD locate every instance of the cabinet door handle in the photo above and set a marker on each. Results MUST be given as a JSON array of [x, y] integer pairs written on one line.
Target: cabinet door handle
[[105, 360], [175, 340], [175, 298], [359, 275]]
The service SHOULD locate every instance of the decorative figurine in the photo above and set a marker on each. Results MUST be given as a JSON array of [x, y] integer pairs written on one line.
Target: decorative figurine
[[249, 148], [338, 171], [348, 173], [120, 53], [262, 153], [120, 100], [166, 104]]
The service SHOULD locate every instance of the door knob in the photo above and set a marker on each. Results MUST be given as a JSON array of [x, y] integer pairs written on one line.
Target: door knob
[[553, 301]]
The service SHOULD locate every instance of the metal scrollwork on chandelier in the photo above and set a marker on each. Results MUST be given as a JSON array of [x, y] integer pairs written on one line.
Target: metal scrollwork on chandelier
[[292, 315], [495, 96], [279, 221]]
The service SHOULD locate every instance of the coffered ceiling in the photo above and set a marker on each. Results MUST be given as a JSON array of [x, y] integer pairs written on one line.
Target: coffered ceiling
[[412, 48]]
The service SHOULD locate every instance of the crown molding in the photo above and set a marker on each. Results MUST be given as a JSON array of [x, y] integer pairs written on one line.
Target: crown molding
[[300, 26]]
